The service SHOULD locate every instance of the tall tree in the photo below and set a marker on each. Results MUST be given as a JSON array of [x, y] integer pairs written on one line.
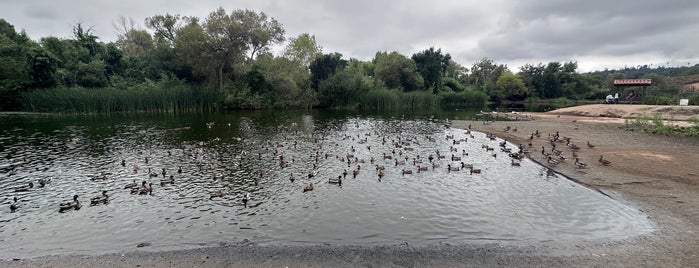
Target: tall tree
[[260, 31], [165, 26], [432, 65], [512, 87], [303, 49], [325, 66], [486, 73], [397, 71]]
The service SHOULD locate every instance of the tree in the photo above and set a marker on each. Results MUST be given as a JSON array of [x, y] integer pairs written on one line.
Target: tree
[[486, 72], [165, 27], [325, 66], [397, 71], [432, 65], [41, 66], [260, 31], [512, 87], [303, 49], [221, 42]]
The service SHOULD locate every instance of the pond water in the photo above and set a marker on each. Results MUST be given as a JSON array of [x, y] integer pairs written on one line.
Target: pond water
[[257, 153]]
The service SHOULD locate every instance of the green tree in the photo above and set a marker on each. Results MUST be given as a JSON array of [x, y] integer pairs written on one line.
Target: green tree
[[41, 66], [325, 66], [432, 65], [486, 72], [512, 87], [397, 71], [165, 27], [303, 49]]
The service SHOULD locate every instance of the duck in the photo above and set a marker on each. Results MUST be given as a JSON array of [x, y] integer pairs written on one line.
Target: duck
[[337, 180], [455, 158], [291, 177], [579, 164], [179, 170], [101, 176], [146, 189], [464, 165], [132, 185], [590, 145], [104, 198], [43, 182], [421, 168], [171, 180], [452, 168], [515, 163], [604, 162], [25, 188], [123, 163], [407, 171], [217, 193], [476, 170], [68, 205], [308, 187], [245, 199], [152, 174], [552, 161], [15, 205]]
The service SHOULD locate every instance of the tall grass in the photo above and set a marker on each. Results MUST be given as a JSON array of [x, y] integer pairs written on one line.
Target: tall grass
[[468, 98], [656, 125], [165, 96]]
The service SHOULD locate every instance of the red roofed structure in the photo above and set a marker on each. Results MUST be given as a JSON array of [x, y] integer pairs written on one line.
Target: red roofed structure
[[634, 83]]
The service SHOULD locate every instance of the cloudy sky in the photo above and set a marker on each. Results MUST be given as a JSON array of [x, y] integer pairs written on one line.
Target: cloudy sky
[[597, 34]]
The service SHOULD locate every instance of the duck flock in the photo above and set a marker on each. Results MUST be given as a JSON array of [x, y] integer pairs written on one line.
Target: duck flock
[[296, 155]]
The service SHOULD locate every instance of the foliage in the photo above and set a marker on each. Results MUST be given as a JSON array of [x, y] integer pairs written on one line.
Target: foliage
[[324, 67], [167, 95], [432, 65], [656, 125], [344, 88], [397, 71], [512, 87], [304, 49]]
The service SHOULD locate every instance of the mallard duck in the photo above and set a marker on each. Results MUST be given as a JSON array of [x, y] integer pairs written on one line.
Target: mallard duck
[[152, 174], [171, 180], [74, 204], [381, 174], [451, 168], [15, 205], [291, 177], [337, 180], [25, 188], [217, 193], [355, 173], [246, 198], [104, 198], [132, 185], [455, 158], [579, 164], [101, 176], [551, 161], [179, 170], [308, 187], [604, 162], [435, 165], [407, 171], [590, 145], [43, 182], [146, 189], [123, 163], [475, 170], [421, 168], [464, 165]]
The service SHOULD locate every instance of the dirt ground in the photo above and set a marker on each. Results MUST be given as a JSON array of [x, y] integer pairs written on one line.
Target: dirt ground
[[658, 174]]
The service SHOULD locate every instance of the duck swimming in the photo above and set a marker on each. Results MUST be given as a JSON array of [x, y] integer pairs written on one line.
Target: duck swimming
[[25, 188], [74, 204], [104, 198], [217, 193], [131, 185], [246, 198], [337, 180], [43, 182], [308, 187], [15, 205]]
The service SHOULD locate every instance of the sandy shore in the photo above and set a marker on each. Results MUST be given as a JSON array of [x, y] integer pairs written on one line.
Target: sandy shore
[[658, 174]]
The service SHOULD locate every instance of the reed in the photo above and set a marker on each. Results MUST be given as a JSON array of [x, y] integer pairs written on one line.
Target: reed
[[381, 99], [165, 96], [468, 98]]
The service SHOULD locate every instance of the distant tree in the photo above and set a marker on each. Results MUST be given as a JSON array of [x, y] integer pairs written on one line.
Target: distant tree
[[486, 72], [42, 67], [325, 66], [397, 71], [165, 26], [512, 87], [432, 65], [303, 49]]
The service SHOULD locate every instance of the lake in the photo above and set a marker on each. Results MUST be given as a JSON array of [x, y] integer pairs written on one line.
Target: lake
[[417, 198]]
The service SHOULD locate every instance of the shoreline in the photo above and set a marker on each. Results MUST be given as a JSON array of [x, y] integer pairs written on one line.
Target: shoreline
[[655, 174]]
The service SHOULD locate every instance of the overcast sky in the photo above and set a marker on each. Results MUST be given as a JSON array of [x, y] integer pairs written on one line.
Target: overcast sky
[[597, 34]]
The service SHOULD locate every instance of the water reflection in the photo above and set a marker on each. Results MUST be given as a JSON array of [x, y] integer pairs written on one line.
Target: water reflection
[[257, 155]]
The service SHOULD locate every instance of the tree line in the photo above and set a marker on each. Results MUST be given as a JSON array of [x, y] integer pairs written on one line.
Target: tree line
[[224, 61]]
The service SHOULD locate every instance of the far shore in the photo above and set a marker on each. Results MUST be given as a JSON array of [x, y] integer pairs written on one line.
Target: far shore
[[657, 174]]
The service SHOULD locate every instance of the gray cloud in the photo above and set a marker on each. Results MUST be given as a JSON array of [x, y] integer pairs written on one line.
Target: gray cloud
[[596, 33]]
